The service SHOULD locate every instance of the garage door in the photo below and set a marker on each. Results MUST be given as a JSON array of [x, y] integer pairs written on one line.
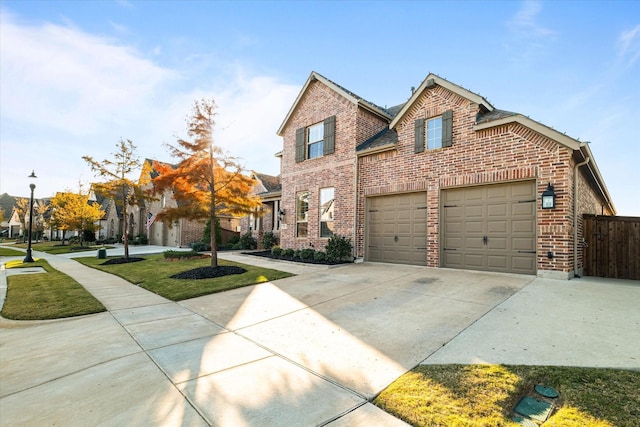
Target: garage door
[[397, 229], [490, 228]]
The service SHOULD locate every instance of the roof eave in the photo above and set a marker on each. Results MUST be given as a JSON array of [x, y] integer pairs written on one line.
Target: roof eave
[[374, 150], [356, 101], [465, 93], [551, 133]]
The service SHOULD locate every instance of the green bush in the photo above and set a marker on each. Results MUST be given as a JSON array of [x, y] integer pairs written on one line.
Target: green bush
[[320, 256], [306, 254], [143, 239], [180, 254], [276, 251], [200, 246], [237, 246], [288, 253], [269, 240], [339, 248], [247, 241]]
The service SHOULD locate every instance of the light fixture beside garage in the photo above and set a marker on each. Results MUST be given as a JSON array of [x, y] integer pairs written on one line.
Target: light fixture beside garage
[[549, 198]]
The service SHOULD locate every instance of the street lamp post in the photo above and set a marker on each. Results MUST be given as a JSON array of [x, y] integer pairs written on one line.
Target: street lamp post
[[32, 186]]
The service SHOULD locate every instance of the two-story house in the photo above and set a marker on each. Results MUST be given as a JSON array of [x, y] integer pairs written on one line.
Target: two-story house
[[443, 180]]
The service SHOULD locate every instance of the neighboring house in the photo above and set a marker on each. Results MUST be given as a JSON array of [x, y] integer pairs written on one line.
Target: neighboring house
[[443, 180], [13, 226], [109, 227], [267, 217], [181, 233]]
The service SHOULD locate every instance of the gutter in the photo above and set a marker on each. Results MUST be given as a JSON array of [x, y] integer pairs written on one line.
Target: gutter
[[575, 215]]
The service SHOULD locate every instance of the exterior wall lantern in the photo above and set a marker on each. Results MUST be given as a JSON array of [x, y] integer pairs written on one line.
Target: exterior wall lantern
[[549, 198], [281, 213]]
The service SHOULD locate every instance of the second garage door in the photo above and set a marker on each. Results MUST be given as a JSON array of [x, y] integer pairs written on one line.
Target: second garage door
[[397, 229], [490, 227]]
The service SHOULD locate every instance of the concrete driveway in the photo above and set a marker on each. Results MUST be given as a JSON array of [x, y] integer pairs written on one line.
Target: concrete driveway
[[307, 350]]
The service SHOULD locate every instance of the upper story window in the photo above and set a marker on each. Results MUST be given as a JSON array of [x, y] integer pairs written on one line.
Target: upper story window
[[327, 202], [302, 214], [317, 140], [436, 132]]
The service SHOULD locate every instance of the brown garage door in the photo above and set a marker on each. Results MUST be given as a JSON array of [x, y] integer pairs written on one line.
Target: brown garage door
[[490, 227], [397, 229]]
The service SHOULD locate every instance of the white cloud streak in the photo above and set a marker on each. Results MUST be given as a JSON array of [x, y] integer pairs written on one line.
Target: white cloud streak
[[629, 46], [66, 93]]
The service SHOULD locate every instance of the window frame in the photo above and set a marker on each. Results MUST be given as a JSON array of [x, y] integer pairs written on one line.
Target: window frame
[[436, 130], [329, 212], [316, 144], [302, 215]]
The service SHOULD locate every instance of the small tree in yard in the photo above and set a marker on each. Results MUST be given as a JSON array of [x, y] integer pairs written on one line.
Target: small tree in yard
[[120, 187], [71, 211], [206, 182]]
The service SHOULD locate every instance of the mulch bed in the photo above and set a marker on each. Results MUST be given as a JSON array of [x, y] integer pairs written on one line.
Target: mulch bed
[[121, 260], [209, 272]]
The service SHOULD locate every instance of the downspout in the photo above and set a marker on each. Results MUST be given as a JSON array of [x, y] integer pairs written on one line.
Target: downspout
[[355, 211], [575, 215]]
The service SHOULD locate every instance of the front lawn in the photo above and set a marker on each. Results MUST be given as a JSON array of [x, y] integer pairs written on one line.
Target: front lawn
[[485, 395], [50, 295], [56, 248], [10, 252], [154, 274]]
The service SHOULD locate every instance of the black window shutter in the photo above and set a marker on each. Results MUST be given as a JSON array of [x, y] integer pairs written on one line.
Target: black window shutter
[[329, 135], [419, 142], [300, 145], [447, 128]]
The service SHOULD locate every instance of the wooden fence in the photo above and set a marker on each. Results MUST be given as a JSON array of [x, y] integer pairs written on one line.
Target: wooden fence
[[612, 246]]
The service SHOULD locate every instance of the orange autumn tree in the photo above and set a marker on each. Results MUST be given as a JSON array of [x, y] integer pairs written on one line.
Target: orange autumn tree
[[206, 181]]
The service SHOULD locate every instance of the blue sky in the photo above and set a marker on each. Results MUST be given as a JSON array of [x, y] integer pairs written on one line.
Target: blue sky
[[75, 77]]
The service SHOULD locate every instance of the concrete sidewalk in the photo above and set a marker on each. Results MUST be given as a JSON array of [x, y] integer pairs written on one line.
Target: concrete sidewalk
[[312, 349]]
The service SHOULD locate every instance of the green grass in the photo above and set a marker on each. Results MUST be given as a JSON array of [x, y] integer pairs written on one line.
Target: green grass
[[10, 252], [50, 295], [56, 248], [153, 274], [484, 395]]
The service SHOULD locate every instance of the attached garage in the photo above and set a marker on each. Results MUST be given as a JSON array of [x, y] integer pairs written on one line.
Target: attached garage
[[397, 228], [490, 227]]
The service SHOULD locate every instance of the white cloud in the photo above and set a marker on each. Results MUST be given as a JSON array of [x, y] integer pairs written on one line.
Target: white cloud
[[629, 45], [528, 38], [66, 93], [525, 21]]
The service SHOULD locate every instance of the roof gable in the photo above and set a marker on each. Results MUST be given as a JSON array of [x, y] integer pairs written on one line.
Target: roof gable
[[430, 81], [350, 96]]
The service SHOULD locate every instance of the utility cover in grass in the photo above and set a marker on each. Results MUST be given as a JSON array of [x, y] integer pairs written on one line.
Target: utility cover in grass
[[546, 391], [209, 272], [533, 408]]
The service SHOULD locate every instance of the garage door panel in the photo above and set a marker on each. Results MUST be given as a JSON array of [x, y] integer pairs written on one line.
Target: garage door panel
[[397, 229], [504, 214]]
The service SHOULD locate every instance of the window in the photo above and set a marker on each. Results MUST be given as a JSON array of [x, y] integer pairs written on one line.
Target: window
[[302, 214], [434, 133], [315, 141], [326, 211]]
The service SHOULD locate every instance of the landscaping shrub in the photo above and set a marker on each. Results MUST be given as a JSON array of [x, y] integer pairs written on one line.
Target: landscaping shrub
[[288, 253], [276, 251], [180, 254], [142, 239], [306, 254], [269, 240], [320, 256], [247, 241], [200, 246], [339, 248]]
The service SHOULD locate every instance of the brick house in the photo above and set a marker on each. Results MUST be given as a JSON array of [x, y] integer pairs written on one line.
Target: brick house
[[181, 233], [443, 180], [269, 189]]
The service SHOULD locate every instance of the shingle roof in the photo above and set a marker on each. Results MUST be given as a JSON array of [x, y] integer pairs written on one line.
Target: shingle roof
[[489, 116], [385, 137], [271, 183]]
